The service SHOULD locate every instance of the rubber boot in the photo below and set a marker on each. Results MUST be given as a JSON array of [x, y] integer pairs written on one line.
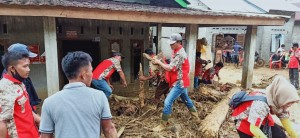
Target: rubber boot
[[194, 114], [163, 124]]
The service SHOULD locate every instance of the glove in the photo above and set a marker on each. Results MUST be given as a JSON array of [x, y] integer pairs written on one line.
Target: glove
[[287, 124], [257, 132]]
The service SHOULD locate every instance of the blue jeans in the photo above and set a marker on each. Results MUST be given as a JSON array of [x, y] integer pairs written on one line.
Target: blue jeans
[[196, 82], [177, 91], [103, 86]]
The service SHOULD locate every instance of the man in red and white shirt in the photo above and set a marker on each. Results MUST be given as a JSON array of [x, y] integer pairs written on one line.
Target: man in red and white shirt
[[16, 116], [103, 72], [177, 76]]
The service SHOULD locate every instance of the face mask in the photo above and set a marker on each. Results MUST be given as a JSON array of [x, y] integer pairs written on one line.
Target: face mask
[[17, 76]]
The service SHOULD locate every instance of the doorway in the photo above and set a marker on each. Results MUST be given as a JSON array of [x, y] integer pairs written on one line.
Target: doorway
[[137, 47], [87, 46], [3, 47]]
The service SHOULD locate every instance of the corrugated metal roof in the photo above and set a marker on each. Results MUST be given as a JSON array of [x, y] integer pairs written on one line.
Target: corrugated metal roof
[[268, 5], [118, 6], [232, 5]]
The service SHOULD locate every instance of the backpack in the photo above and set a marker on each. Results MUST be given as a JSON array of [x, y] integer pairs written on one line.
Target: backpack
[[242, 96]]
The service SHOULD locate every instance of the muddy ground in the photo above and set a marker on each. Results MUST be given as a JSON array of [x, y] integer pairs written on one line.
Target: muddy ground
[[138, 122]]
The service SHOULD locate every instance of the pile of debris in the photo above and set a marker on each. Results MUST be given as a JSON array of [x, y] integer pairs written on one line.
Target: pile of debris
[[132, 120], [264, 82]]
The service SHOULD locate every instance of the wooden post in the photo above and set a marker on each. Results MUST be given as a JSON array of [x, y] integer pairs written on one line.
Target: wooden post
[[159, 36], [191, 33], [249, 52], [51, 55]]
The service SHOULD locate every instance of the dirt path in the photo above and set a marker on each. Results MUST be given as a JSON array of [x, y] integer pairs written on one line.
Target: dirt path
[[232, 75]]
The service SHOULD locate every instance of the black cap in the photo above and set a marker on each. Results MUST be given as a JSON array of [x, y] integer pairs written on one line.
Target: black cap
[[295, 45], [149, 51], [117, 54]]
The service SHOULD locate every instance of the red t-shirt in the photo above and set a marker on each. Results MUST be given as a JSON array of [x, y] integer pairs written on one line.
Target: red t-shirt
[[22, 113], [294, 63]]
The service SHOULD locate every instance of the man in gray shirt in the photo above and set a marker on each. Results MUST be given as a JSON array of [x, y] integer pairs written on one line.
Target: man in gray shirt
[[77, 111]]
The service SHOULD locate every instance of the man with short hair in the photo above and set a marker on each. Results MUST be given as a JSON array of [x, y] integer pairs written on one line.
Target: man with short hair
[[33, 97], [293, 65], [77, 111], [178, 76], [16, 115], [281, 49], [104, 70]]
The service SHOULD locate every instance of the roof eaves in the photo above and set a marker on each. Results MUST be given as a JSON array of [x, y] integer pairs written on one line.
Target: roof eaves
[[259, 8], [117, 6]]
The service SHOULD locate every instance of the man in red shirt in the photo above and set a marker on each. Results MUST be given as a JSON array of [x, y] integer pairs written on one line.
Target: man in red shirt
[[16, 115], [211, 72], [103, 72], [293, 65], [177, 76]]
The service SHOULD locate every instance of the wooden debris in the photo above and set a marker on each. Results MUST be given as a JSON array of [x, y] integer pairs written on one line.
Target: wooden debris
[[120, 132], [209, 127], [226, 87], [122, 98], [142, 91], [264, 82], [157, 135], [138, 117]]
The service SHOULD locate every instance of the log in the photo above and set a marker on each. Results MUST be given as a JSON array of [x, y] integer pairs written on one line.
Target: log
[[142, 89], [210, 126], [121, 98], [120, 132]]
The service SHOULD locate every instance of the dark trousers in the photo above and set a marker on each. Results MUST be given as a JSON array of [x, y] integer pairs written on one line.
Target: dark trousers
[[236, 59], [277, 132], [162, 89], [294, 77]]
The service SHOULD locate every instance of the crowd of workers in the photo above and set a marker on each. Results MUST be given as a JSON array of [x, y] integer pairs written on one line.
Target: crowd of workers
[[79, 110]]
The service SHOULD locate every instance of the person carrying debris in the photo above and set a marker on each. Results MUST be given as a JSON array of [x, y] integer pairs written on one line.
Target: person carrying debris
[[158, 77], [104, 70], [209, 74], [293, 65], [77, 111], [252, 112], [177, 75]]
